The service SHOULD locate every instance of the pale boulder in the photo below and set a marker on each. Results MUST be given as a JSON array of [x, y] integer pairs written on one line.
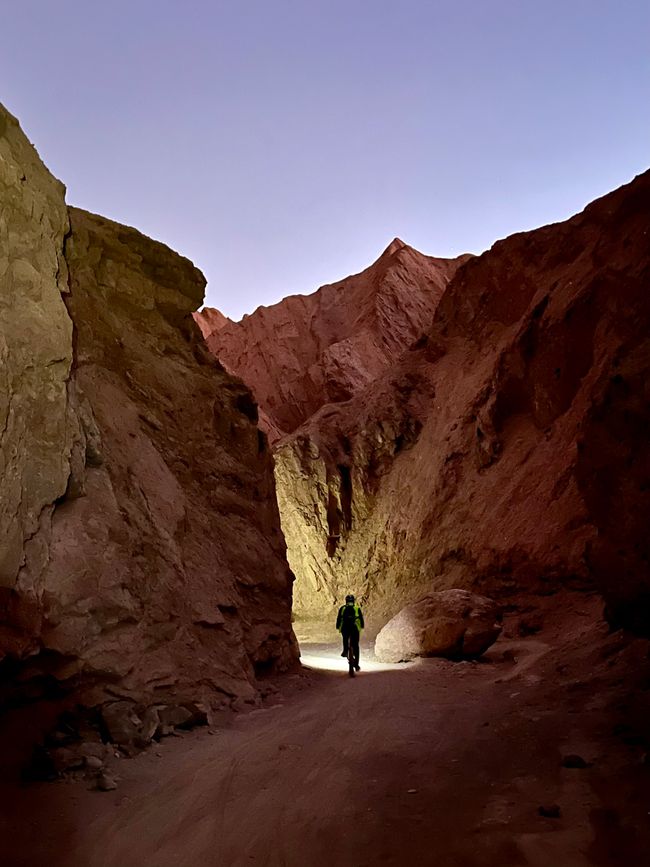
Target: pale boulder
[[453, 623]]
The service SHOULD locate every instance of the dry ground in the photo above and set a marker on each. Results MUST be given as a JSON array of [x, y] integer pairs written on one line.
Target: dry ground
[[437, 763]]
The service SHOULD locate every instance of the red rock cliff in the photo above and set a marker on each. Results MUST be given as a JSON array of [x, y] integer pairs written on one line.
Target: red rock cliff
[[311, 350]]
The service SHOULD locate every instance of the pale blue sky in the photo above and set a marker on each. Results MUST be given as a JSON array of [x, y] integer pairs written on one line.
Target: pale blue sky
[[282, 144]]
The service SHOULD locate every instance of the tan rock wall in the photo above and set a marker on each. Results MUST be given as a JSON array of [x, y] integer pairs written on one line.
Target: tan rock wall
[[176, 556], [140, 549], [35, 350]]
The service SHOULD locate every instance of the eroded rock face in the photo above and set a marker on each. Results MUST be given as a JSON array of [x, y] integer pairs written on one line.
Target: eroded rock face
[[453, 623], [35, 356], [210, 320], [146, 563], [506, 451], [311, 350]]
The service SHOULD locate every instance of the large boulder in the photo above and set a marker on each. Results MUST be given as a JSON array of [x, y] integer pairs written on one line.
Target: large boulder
[[453, 623]]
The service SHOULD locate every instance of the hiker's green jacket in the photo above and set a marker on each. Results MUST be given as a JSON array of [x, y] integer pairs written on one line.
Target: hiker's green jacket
[[358, 617]]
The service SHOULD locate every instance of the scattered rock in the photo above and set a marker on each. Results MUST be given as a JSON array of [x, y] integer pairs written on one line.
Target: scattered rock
[[185, 716], [122, 723], [95, 750], [531, 624], [105, 782], [93, 763], [66, 759], [174, 717], [453, 623], [574, 761], [150, 725]]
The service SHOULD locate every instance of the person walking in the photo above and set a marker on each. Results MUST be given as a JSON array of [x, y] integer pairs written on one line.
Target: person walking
[[349, 623]]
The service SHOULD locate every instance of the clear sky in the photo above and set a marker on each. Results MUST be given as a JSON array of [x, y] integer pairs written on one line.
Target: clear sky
[[282, 144]]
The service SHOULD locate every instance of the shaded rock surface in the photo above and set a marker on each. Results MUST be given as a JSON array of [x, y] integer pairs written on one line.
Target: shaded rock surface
[[453, 623], [140, 547], [311, 350]]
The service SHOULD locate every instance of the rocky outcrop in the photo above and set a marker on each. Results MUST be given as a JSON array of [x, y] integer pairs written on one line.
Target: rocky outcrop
[[311, 350], [505, 451], [453, 623], [142, 558], [210, 320], [36, 427]]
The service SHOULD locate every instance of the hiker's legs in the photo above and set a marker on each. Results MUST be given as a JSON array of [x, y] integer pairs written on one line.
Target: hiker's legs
[[354, 637]]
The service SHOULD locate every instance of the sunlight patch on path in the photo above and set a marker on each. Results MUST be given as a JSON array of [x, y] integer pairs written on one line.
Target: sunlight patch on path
[[331, 660]]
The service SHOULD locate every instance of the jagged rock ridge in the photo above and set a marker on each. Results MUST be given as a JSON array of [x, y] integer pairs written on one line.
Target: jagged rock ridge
[[140, 549], [311, 350]]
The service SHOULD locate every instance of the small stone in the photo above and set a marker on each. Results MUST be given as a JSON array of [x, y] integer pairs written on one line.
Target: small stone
[[574, 761], [93, 748], [105, 783], [412, 792], [550, 811], [67, 759], [174, 716], [94, 763]]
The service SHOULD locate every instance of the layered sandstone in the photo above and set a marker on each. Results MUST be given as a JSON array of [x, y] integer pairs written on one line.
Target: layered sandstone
[[141, 551], [507, 451], [311, 350]]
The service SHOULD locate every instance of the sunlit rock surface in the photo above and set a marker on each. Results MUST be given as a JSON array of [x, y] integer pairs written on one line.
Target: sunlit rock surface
[[453, 623], [141, 550]]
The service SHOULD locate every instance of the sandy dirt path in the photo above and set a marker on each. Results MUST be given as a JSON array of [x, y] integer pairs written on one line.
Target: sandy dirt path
[[434, 764]]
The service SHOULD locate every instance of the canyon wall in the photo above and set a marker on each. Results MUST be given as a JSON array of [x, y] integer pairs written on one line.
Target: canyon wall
[[141, 555], [311, 350], [508, 451], [505, 451]]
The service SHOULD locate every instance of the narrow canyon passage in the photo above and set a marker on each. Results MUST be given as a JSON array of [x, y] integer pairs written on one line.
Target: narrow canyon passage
[[433, 763]]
